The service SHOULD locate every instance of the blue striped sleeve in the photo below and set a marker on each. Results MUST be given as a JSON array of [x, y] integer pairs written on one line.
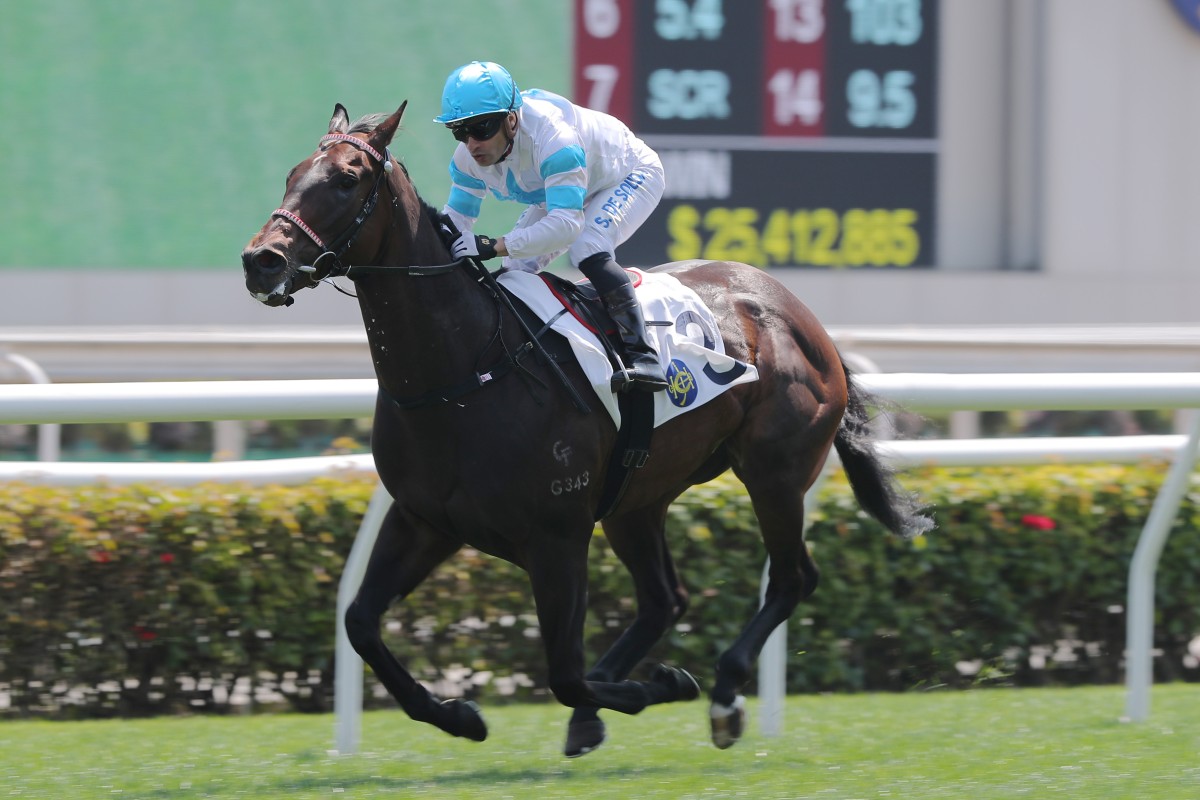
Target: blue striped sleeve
[[565, 160], [463, 179], [564, 197], [464, 202]]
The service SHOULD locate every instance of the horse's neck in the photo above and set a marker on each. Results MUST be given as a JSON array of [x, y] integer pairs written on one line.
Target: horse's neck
[[427, 332]]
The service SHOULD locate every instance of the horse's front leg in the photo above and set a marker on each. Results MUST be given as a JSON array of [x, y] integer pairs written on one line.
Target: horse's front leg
[[638, 540], [558, 574], [404, 555]]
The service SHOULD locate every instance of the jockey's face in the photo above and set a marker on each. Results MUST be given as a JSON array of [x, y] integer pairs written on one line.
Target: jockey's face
[[490, 149]]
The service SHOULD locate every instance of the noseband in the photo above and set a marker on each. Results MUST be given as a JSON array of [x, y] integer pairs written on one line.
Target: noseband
[[340, 245]]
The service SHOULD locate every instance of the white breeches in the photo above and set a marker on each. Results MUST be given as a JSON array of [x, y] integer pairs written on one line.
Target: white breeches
[[611, 215]]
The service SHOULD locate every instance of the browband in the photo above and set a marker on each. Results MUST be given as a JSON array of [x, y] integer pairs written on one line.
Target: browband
[[382, 158]]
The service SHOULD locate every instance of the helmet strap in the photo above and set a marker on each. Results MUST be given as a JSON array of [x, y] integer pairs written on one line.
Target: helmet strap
[[512, 138]]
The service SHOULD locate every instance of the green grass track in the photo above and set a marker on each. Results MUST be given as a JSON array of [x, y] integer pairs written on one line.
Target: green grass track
[[996, 743]]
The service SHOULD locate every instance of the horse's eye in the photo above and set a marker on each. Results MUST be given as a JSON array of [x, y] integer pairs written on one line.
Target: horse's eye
[[347, 181]]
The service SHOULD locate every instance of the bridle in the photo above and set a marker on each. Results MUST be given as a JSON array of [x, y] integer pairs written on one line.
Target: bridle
[[342, 243], [346, 239]]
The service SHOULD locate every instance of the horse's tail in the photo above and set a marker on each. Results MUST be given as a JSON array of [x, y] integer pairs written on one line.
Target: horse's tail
[[873, 482]]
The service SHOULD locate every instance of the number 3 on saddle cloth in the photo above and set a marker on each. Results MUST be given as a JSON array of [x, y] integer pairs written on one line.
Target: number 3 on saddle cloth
[[681, 328]]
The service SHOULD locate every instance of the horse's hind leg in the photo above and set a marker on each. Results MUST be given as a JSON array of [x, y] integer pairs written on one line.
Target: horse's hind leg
[[404, 555], [777, 492], [638, 540]]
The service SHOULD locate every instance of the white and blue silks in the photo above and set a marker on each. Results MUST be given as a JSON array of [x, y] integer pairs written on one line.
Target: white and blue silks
[[587, 180]]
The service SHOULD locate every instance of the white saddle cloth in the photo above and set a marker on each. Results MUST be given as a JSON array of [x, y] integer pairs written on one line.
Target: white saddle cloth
[[682, 330]]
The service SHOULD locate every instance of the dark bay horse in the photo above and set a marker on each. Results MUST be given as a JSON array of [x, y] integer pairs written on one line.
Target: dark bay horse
[[478, 464]]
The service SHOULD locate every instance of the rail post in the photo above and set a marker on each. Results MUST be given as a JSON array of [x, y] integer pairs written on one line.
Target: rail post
[[1139, 608]]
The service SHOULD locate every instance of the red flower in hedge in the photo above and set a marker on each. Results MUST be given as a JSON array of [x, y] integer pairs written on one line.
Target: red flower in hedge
[[101, 556], [1038, 522], [167, 558], [145, 634]]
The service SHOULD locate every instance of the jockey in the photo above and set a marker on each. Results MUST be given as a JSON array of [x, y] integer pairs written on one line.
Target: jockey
[[588, 182]]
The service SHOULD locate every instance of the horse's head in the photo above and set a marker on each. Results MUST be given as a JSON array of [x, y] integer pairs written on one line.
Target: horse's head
[[328, 202]]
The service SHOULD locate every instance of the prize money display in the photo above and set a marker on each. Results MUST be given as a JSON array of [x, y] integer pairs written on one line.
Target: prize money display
[[793, 132]]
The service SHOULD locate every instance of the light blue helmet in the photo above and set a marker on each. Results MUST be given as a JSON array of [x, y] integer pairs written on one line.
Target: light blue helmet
[[481, 87]]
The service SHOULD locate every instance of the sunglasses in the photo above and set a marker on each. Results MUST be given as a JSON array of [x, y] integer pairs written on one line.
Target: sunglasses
[[479, 131]]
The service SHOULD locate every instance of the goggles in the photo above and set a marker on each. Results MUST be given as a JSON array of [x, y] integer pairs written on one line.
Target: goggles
[[480, 131]]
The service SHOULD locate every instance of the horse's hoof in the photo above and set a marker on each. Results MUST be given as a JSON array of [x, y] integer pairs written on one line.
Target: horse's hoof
[[679, 679], [728, 722], [583, 737], [464, 718]]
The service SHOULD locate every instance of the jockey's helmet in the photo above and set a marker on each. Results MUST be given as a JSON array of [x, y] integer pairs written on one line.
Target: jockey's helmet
[[481, 87]]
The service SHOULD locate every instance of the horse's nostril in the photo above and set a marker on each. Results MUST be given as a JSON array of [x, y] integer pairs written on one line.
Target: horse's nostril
[[263, 260]]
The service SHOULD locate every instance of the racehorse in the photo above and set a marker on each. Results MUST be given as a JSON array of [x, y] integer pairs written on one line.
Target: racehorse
[[483, 463]]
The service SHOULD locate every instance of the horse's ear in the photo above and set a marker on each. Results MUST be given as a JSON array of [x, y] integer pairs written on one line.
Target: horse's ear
[[381, 137], [340, 121]]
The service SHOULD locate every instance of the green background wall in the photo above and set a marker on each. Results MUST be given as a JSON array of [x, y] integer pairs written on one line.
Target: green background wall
[[144, 133]]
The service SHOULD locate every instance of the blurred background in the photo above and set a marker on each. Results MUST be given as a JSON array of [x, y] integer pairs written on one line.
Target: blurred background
[[995, 185], [146, 142]]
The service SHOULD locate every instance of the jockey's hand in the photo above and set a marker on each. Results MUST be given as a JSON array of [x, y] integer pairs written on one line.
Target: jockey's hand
[[471, 246]]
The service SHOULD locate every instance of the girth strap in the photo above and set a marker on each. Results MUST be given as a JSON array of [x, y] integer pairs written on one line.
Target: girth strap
[[631, 450]]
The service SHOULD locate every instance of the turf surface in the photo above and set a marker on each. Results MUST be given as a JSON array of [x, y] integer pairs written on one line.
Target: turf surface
[[998, 743]]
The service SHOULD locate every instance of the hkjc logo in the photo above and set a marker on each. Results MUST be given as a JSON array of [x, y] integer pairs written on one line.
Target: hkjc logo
[[1190, 11], [681, 384]]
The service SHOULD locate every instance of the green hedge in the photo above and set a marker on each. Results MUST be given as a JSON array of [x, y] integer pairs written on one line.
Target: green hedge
[[110, 596], [149, 599]]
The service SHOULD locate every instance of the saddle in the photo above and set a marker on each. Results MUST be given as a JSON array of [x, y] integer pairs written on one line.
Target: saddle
[[582, 301], [632, 448]]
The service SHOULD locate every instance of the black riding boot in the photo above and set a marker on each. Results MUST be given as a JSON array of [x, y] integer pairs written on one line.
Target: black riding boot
[[641, 362], [642, 370]]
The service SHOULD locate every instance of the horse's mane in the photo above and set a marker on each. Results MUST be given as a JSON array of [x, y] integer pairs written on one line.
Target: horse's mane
[[370, 122], [367, 123]]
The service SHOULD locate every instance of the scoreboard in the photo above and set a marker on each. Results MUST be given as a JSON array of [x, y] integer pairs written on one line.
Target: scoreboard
[[793, 132]]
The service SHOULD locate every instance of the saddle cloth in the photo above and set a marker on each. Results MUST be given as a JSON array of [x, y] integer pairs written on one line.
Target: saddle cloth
[[681, 328]]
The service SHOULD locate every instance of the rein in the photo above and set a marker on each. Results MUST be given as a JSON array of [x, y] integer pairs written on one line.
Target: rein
[[413, 270]]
